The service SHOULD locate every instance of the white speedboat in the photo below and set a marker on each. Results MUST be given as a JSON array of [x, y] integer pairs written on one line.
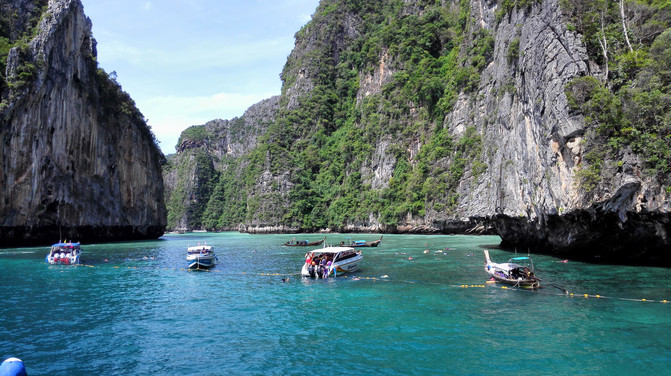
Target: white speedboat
[[201, 257], [331, 261], [518, 271], [64, 254]]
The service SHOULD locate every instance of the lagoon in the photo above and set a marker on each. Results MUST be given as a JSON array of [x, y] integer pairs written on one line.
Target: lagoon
[[134, 309]]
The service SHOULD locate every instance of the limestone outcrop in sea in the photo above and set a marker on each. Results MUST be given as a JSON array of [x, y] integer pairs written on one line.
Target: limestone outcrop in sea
[[78, 160]]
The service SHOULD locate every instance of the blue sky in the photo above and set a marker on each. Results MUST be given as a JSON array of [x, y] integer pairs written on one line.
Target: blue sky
[[186, 62]]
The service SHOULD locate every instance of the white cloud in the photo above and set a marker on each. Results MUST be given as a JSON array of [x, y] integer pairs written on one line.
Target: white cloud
[[189, 62]]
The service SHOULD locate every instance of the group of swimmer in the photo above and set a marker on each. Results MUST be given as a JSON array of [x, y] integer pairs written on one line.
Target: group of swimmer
[[319, 266]]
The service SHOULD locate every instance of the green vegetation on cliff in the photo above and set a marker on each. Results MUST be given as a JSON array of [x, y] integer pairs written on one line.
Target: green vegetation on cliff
[[628, 107], [326, 143], [17, 28], [363, 131]]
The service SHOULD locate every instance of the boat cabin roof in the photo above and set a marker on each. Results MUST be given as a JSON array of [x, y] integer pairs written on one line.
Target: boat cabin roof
[[71, 245], [521, 262], [332, 250], [199, 248]]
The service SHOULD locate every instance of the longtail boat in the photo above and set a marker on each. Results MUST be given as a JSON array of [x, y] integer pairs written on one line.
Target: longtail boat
[[303, 243], [360, 243], [518, 271]]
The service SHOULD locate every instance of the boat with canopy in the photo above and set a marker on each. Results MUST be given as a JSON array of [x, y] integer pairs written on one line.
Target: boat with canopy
[[201, 257], [518, 271], [330, 262], [64, 253]]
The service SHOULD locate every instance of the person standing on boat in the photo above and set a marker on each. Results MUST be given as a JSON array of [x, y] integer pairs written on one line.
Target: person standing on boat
[[322, 268], [328, 268]]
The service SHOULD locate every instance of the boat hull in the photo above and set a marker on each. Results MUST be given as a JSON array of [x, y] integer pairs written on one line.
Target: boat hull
[[349, 266], [62, 260], [205, 262], [363, 245], [526, 284]]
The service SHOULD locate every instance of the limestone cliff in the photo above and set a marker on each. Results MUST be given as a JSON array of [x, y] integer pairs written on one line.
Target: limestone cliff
[[206, 155], [453, 117], [78, 159], [535, 145]]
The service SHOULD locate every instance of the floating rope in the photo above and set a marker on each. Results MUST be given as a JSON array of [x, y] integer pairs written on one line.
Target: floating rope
[[586, 296]]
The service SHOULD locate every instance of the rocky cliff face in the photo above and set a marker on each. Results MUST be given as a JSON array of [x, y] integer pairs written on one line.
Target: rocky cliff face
[[535, 147], [78, 160], [506, 154], [204, 153]]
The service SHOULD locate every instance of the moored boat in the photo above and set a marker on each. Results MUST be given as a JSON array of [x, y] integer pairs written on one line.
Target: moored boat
[[518, 271], [64, 253], [360, 243], [201, 257], [303, 243], [331, 261]]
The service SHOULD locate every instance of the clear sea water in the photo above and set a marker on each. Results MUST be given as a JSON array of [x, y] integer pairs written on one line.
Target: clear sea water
[[134, 310]]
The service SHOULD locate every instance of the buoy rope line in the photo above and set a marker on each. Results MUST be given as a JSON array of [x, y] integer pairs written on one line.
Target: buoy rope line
[[387, 279], [572, 295]]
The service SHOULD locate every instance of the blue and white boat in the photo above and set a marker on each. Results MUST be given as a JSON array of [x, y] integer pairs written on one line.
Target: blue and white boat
[[63, 253], [201, 257]]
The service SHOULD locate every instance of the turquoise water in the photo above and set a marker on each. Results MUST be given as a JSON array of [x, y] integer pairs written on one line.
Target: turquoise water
[[134, 310]]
